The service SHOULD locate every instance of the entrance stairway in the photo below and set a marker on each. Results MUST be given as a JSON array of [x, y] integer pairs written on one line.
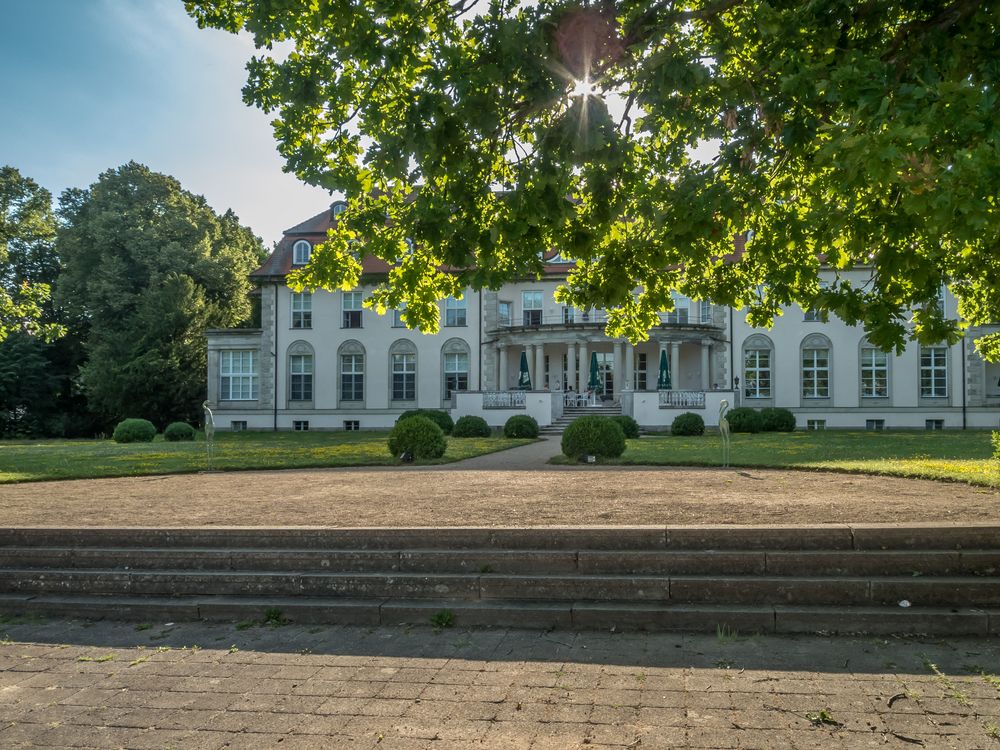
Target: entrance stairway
[[605, 409], [878, 579]]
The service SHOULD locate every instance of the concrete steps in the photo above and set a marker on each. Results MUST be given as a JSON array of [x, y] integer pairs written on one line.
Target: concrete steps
[[768, 579], [572, 412]]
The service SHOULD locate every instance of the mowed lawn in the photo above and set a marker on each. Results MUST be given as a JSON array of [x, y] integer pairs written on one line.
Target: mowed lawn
[[36, 460], [964, 456]]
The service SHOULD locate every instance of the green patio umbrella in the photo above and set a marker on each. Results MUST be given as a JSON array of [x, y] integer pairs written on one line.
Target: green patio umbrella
[[524, 378], [595, 379], [663, 382]]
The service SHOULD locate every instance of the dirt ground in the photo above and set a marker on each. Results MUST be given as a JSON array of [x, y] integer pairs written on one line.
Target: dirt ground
[[449, 496]]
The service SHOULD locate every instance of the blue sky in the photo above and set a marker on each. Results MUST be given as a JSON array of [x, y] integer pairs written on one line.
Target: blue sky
[[90, 84]]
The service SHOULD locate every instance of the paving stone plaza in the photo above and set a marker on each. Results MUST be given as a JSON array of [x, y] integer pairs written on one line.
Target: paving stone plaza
[[87, 684]]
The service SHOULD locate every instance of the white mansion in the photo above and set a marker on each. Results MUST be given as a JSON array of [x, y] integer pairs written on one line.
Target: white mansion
[[321, 361]]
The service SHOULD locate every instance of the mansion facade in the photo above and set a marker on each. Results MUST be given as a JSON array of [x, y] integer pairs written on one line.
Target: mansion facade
[[321, 361]]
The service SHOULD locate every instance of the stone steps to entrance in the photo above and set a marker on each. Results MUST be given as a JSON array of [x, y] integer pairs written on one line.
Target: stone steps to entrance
[[572, 412], [768, 579]]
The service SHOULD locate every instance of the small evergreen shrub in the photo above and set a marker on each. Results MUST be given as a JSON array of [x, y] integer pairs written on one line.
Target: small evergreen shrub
[[629, 426], [470, 426], [418, 436], [521, 426], [178, 431], [745, 419], [441, 418], [777, 420], [134, 431], [687, 423], [593, 435]]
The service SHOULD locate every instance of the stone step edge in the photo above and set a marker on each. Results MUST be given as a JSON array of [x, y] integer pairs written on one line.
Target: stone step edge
[[727, 621]]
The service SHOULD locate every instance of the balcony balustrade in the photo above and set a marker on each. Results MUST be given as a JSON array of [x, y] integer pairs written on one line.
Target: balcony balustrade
[[503, 399], [682, 399]]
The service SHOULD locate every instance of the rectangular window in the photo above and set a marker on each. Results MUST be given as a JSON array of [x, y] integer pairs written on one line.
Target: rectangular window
[[640, 371], [569, 314], [404, 377], [352, 309], [815, 373], [456, 373], [874, 373], [934, 424], [238, 372], [875, 424], [815, 424], [352, 377], [397, 318], [679, 315], [300, 425], [302, 316], [238, 425], [705, 309], [531, 306], [352, 425], [757, 373], [455, 312], [934, 371], [301, 368], [504, 313]]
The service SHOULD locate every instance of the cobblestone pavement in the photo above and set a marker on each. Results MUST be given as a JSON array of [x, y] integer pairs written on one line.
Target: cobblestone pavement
[[110, 685]]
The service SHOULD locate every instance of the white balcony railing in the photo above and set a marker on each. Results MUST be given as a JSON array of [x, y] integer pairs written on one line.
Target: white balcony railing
[[694, 315], [682, 399], [503, 399]]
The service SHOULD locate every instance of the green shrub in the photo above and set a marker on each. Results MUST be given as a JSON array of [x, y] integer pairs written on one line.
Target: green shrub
[[418, 436], [745, 419], [178, 431], [134, 431], [687, 423], [777, 420], [521, 426], [593, 436], [996, 445], [470, 426], [441, 418], [629, 426]]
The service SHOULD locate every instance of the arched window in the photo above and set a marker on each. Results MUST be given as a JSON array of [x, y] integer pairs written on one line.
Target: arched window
[[351, 361], [874, 364], [403, 371], [301, 252], [455, 366], [758, 361], [816, 361], [338, 208], [301, 359]]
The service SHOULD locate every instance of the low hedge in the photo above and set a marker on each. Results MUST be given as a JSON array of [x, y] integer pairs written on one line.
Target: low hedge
[[419, 437], [441, 418], [629, 426], [471, 427], [745, 419], [687, 423], [178, 431], [593, 435], [134, 431], [520, 426], [777, 420]]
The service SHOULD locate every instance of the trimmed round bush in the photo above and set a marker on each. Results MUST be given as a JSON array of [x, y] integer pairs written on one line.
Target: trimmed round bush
[[745, 419], [470, 426], [134, 431], [629, 426], [178, 431], [441, 418], [520, 426], [418, 436], [777, 420], [593, 435], [687, 423]]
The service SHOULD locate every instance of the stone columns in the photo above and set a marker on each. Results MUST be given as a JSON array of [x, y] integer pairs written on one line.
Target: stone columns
[[675, 365], [706, 374], [570, 366], [584, 367], [538, 376], [503, 382], [629, 367], [616, 377]]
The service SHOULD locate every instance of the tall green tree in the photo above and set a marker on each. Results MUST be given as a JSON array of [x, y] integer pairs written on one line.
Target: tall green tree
[[148, 267], [861, 135]]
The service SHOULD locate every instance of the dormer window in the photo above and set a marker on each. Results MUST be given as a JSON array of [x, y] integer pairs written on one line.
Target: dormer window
[[337, 209], [301, 252]]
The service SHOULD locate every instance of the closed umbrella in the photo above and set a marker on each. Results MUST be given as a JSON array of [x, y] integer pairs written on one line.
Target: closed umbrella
[[595, 378], [524, 378], [663, 382]]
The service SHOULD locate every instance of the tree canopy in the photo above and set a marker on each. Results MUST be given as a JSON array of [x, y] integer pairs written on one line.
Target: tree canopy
[[855, 135], [148, 267]]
